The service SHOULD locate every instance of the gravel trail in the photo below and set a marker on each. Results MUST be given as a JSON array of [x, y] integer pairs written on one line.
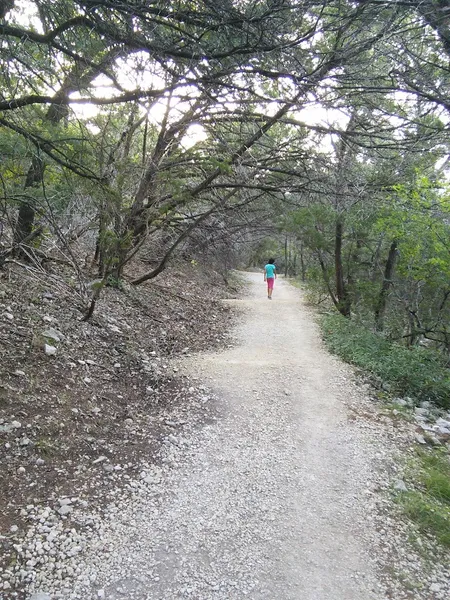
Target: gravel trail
[[269, 501]]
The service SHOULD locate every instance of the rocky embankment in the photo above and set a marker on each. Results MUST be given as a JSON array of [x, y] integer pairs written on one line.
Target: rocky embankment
[[81, 404]]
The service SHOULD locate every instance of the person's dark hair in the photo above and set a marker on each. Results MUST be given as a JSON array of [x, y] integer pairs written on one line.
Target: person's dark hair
[[271, 261]]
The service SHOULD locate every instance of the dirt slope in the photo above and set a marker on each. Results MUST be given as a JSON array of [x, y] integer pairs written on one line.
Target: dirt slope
[[76, 422]]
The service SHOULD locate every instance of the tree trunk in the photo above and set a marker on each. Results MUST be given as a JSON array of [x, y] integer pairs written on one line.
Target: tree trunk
[[380, 308], [343, 305], [25, 220], [35, 176], [413, 335], [302, 263], [111, 208], [326, 280], [352, 264], [344, 155], [285, 257], [289, 269]]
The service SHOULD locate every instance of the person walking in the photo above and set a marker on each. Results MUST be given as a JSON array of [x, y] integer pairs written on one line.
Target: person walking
[[270, 276]]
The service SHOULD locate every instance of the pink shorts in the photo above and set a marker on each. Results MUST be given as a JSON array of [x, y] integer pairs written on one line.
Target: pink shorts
[[270, 282]]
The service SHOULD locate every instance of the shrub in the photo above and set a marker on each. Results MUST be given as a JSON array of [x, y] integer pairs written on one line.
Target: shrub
[[428, 505], [430, 516], [416, 372]]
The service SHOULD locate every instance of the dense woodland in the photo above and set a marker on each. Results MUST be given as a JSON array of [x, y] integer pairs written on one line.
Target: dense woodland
[[315, 130]]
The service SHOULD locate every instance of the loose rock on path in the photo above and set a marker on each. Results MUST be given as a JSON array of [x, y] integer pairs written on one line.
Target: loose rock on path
[[274, 500]]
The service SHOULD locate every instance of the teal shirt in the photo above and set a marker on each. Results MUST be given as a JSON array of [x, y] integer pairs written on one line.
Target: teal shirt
[[270, 271]]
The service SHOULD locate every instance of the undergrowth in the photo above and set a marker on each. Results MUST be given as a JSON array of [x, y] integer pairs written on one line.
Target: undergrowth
[[422, 375], [429, 505], [416, 372]]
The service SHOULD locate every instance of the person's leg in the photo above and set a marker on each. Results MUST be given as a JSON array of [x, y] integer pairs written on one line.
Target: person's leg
[[270, 281]]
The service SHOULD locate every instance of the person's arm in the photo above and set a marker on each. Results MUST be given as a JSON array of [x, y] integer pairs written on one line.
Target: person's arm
[[265, 274], [275, 272]]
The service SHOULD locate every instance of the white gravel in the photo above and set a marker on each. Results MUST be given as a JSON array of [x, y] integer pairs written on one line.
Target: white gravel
[[277, 499]]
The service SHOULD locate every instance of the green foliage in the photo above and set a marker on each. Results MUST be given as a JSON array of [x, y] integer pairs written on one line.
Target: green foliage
[[111, 243], [266, 249], [429, 505], [315, 224], [223, 166], [220, 66], [422, 375], [45, 446], [429, 514], [418, 216], [415, 372], [314, 291], [436, 475], [114, 282]]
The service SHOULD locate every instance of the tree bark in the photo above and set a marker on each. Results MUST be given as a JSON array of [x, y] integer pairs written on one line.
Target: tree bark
[[25, 219], [302, 263], [344, 304], [326, 280], [285, 257], [380, 309]]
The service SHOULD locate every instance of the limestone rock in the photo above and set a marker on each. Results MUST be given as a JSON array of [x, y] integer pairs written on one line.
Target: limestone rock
[[53, 335], [40, 596]]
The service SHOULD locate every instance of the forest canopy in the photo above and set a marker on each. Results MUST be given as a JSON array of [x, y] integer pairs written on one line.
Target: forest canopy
[[316, 130]]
